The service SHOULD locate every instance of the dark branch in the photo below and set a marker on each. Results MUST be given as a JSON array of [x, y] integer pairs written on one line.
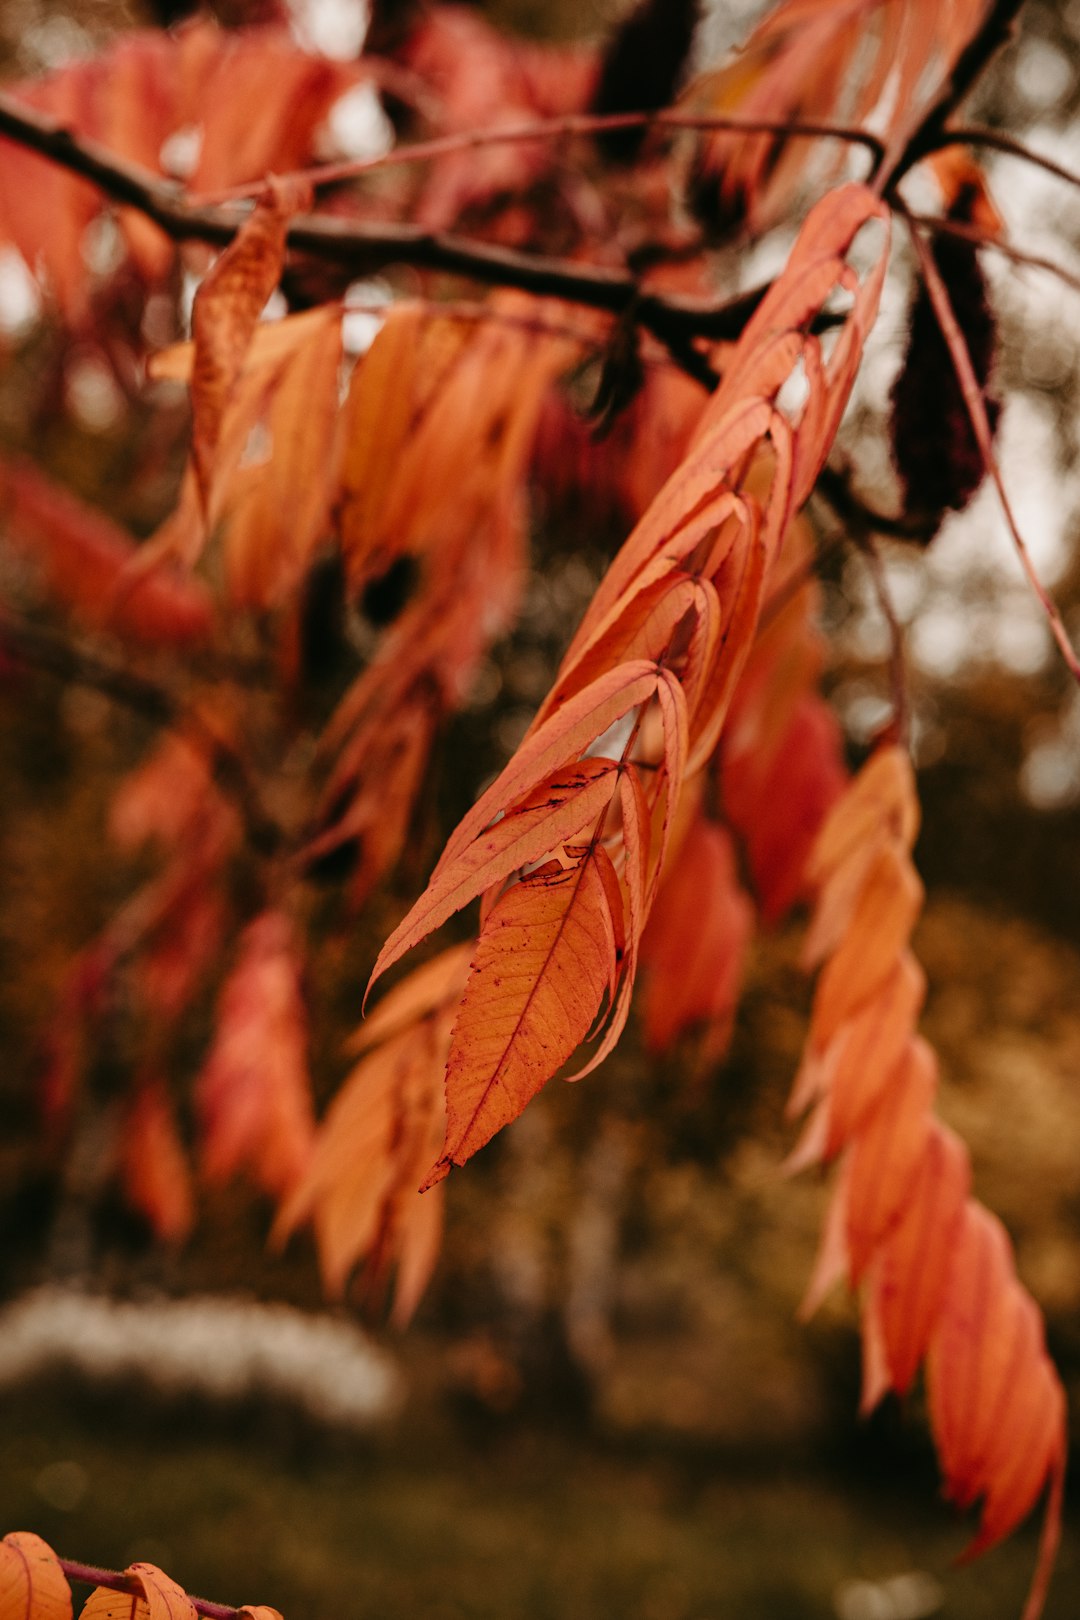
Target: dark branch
[[672, 318], [590, 124]]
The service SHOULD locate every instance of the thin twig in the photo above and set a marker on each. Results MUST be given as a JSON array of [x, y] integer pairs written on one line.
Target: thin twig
[[327, 174], [976, 410], [980, 135], [116, 1581], [972, 233]]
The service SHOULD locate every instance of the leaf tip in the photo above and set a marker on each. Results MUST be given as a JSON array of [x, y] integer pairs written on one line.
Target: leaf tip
[[439, 1171]]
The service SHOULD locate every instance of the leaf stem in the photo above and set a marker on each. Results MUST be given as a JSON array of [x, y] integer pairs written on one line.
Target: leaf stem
[[116, 1581], [972, 233]]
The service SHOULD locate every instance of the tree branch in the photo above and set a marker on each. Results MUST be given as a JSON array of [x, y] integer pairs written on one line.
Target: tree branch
[[980, 135], [836, 488], [90, 1575], [671, 317]]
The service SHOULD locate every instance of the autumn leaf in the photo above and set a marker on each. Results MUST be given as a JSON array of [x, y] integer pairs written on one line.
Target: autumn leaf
[[541, 969], [223, 319], [694, 946], [874, 63], [378, 1140], [135, 99], [32, 1584], [162, 1598], [936, 1269], [92, 566], [562, 741], [252, 1092], [154, 1172]]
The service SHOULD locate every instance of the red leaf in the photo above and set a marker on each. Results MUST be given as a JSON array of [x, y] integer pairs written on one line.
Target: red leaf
[[92, 565]]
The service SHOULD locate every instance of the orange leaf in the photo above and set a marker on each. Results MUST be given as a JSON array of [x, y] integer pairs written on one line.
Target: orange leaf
[[162, 1598], [153, 1166], [32, 1584], [223, 320], [695, 942], [909, 1272], [561, 740], [888, 1152], [253, 1093], [425, 990], [541, 969], [379, 1137], [857, 1064], [278, 504], [553, 813], [881, 925]]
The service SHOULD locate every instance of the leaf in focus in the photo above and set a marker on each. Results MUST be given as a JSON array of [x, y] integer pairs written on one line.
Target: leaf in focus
[[541, 969], [32, 1584], [162, 1598]]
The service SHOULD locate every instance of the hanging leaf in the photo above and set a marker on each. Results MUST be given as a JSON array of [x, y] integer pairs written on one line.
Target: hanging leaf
[[32, 1584], [936, 1269], [544, 961], [253, 1094]]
